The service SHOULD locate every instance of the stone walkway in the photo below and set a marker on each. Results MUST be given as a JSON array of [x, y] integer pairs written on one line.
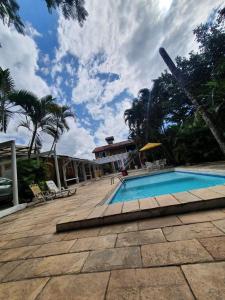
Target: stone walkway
[[173, 257]]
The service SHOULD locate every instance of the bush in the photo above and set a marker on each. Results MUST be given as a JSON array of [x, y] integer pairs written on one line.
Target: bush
[[30, 171]]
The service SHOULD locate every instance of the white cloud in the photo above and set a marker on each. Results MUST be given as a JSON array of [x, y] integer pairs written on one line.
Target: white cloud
[[113, 123], [31, 31], [119, 37], [20, 134], [87, 89], [127, 38], [20, 54], [76, 142]]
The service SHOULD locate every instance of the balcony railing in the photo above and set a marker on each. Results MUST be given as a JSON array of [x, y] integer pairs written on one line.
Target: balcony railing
[[108, 159]]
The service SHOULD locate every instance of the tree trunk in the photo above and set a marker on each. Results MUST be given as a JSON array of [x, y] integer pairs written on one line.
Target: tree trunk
[[2, 128], [32, 141], [53, 143], [204, 113]]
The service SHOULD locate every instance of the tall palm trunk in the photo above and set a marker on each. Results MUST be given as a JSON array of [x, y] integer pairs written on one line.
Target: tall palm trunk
[[32, 141], [54, 141], [2, 128], [205, 115]]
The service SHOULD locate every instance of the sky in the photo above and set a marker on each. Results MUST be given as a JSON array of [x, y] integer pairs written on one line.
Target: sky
[[96, 69]]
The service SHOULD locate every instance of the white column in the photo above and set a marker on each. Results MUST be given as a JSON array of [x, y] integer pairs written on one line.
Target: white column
[[113, 166], [14, 174], [84, 172], [94, 170], [64, 174], [122, 163], [76, 171], [57, 170], [89, 166]]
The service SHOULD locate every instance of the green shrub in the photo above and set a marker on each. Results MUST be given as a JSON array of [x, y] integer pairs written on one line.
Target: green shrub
[[30, 171]]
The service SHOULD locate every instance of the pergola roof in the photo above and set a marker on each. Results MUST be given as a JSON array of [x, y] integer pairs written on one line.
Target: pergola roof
[[5, 149], [71, 158], [5, 152]]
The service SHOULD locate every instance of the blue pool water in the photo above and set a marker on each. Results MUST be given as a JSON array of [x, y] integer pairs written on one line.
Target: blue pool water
[[164, 183]]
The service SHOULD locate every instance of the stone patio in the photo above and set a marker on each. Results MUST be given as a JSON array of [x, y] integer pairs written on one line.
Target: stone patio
[[181, 256]]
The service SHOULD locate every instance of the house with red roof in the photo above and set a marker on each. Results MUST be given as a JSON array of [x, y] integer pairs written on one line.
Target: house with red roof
[[114, 156]]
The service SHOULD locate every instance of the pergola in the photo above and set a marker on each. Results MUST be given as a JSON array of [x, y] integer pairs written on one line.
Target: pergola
[[75, 162], [10, 151]]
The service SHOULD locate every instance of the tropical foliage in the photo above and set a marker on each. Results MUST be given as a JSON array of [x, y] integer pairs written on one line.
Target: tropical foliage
[[38, 115], [30, 171], [6, 87], [71, 9], [166, 114]]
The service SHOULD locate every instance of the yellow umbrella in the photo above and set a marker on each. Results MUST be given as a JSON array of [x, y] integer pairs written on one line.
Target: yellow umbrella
[[150, 146]]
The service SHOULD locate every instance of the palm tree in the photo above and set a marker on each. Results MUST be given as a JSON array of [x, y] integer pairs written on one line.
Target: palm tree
[[6, 87], [206, 116], [9, 14], [38, 115], [60, 115], [71, 9]]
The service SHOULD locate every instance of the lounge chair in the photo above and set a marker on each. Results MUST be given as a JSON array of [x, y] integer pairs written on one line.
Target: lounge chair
[[149, 166], [52, 187], [39, 195]]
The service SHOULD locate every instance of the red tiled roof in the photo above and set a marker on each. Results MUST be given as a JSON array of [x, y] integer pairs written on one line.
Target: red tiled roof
[[113, 146]]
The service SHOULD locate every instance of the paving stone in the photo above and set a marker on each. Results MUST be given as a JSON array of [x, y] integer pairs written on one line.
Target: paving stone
[[220, 224], [97, 212], [48, 266], [130, 206], [140, 238], [82, 286], [166, 200], [20, 242], [114, 209], [186, 197], [117, 228], [6, 268], [191, 231], [53, 249], [16, 253], [48, 238], [82, 233], [158, 222], [171, 292], [215, 246], [202, 216], [21, 290], [219, 189], [2, 244], [94, 243], [154, 283], [148, 203], [206, 194], [116, 258], [206, 280], [174, 253]]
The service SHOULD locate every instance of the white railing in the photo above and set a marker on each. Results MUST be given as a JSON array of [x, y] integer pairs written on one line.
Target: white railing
[[108, 159]]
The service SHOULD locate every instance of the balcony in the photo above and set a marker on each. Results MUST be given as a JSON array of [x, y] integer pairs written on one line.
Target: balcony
[[112, 158]]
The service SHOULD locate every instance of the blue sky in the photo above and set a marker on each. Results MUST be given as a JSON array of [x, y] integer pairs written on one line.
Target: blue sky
[[98, 68]]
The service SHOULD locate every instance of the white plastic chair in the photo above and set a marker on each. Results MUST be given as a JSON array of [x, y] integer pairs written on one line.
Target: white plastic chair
[[52, 187]]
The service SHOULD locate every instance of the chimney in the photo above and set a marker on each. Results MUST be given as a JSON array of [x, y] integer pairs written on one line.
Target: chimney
[[109, 140]]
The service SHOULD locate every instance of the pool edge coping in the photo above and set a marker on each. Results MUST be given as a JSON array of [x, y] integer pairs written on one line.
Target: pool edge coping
[[108, 198], [137, 214]]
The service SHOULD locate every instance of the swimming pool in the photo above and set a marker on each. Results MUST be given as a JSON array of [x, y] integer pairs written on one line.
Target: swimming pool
[[164, 183]]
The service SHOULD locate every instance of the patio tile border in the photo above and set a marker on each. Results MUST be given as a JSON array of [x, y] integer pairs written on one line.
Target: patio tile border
[[193, 200]]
